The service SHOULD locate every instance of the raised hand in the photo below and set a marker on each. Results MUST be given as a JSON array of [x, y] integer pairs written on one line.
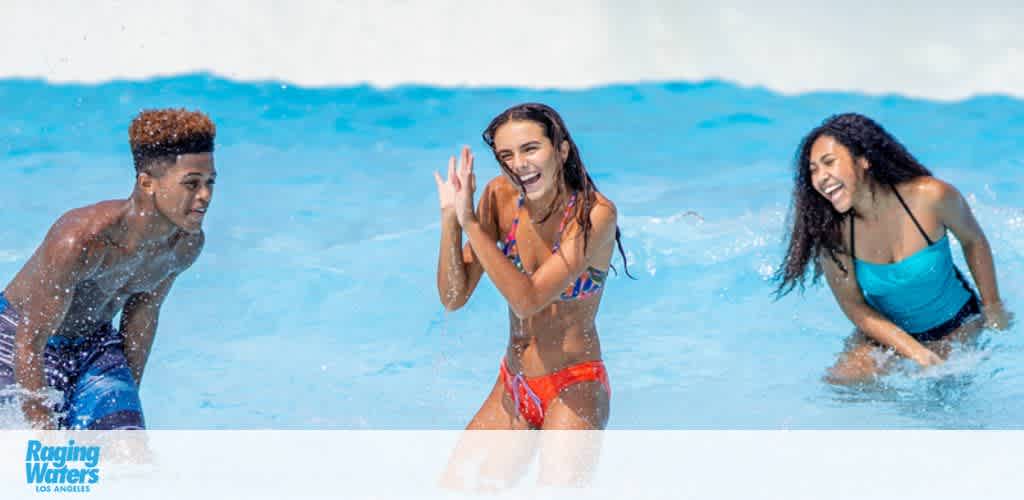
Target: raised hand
[[465, 186], [446, 188]]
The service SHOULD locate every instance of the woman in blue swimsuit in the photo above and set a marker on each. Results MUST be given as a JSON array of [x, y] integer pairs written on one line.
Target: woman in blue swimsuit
[[874, 221]]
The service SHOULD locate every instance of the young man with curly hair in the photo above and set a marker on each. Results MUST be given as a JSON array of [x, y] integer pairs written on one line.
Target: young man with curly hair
[[116, 256]]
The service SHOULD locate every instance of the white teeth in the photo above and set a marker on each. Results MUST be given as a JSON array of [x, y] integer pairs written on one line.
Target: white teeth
[[529, 178], [833, 189]]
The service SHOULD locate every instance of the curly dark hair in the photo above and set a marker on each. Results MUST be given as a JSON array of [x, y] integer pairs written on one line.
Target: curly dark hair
[[574, 174], [815, 224], [157, 135]]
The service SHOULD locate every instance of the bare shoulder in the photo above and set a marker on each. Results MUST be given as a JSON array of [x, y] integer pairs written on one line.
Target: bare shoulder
[[75, 246], [603, 211], [928, 191], [502, 189], [603, 221], [80, 232], [498, 200], [90, 220]]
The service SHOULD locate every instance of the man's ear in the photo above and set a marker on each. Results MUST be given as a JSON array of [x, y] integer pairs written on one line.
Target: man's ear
[[145, 182]]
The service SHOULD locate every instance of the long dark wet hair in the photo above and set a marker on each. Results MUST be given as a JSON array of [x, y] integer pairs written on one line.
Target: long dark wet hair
[[814, 221], [574, 174]]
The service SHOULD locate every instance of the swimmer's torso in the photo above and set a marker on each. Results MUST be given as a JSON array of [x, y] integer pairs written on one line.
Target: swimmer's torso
[[113, 274], [563, 333]]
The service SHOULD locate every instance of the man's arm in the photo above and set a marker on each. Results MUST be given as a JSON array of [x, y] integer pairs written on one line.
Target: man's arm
[[141, 312], [62, 261], [138, 325]]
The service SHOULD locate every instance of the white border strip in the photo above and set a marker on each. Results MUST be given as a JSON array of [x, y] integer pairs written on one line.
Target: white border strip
[[629, 464]]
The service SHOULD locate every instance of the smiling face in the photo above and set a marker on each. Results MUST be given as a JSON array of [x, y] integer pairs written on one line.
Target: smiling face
[[527, 153], [836, 175], [183, 191]]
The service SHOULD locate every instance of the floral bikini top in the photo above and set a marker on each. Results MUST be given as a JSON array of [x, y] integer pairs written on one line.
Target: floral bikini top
[[588, 284]]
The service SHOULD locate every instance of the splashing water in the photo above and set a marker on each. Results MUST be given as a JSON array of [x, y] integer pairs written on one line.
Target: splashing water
[[314, 304]]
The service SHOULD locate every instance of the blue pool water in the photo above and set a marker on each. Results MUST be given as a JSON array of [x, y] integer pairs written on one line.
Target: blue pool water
[[314, 303]]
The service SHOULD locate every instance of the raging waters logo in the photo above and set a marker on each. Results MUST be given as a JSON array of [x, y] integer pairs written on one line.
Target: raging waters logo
[[67, 468]]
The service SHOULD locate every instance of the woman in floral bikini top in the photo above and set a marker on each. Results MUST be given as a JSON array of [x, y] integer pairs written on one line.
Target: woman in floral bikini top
[[551, 271]]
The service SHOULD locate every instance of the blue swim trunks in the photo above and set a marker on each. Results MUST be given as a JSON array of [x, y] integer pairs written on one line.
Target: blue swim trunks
[[90, 371]]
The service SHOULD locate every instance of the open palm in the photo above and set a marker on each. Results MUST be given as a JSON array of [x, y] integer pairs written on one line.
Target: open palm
[[456, 193], [446, 187]]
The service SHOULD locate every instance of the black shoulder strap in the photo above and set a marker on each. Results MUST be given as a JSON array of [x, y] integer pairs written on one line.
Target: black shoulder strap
[[911, 214]]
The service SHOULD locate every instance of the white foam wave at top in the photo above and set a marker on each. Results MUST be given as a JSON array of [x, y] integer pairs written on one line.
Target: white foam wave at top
[[913, 48]]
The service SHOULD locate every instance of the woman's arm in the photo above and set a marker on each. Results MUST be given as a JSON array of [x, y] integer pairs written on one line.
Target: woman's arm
[[527, 295], [955, 214], [458, 270], [868, 320]]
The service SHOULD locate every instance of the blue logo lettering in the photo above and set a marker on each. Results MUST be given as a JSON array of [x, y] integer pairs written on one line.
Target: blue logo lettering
[[69, 468]]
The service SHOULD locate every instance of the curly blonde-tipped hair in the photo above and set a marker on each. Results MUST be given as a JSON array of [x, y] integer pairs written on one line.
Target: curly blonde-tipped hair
[[158, 135]]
